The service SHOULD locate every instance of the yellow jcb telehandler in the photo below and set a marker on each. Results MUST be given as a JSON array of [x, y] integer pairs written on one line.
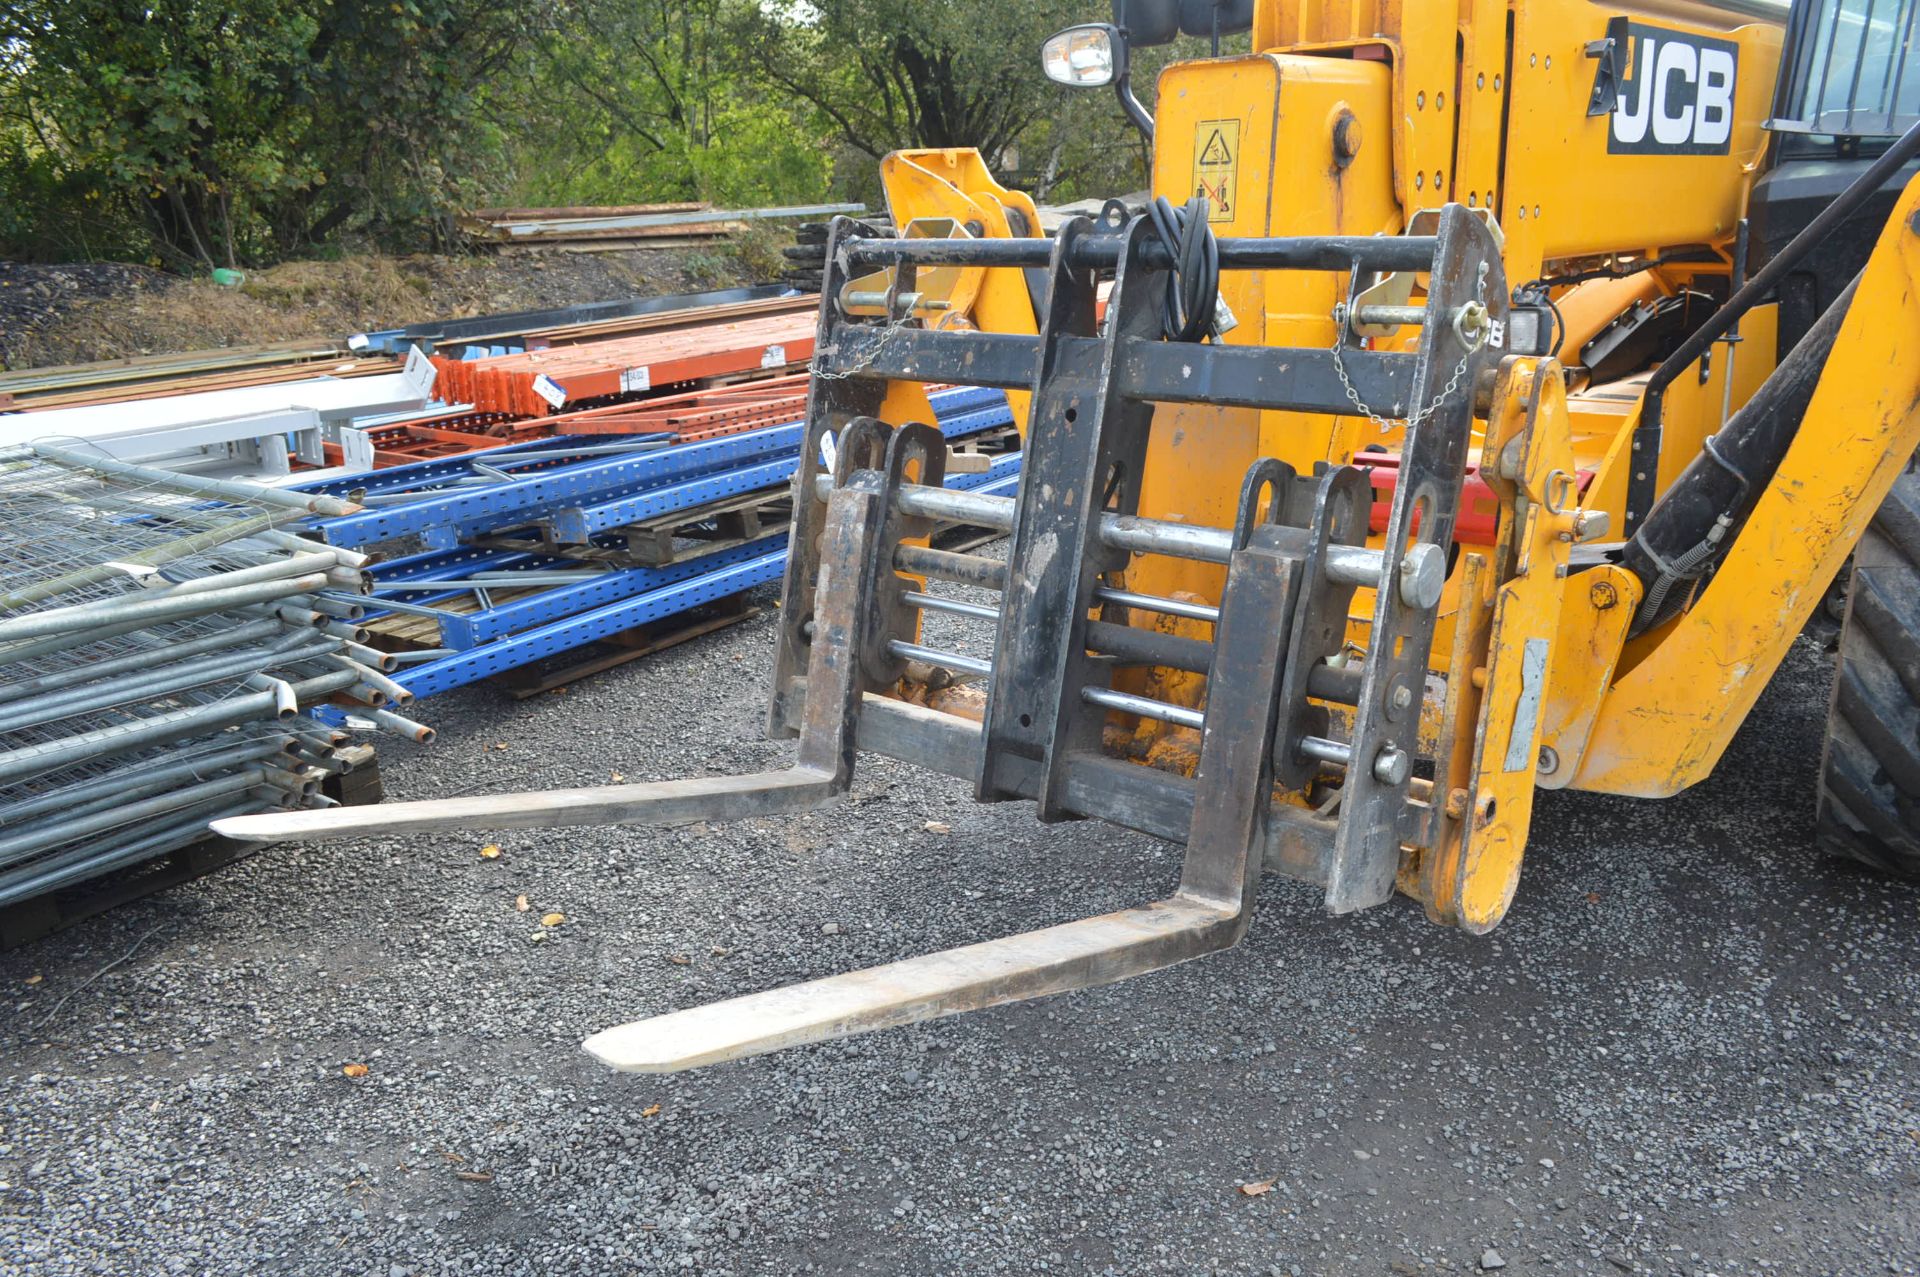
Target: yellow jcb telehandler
[[1488, 395]]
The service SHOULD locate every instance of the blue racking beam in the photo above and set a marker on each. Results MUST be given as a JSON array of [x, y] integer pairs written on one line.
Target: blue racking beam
[[547, 640], [579, 524], [708, 577], [468, 629], [432, 473], [496, 505], [461, 559], [603, 481], [1001, 479], [617, 491], [463, 630]]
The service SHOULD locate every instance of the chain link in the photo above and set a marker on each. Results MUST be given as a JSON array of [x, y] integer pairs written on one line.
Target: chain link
[[881, 347], [1433, 405]]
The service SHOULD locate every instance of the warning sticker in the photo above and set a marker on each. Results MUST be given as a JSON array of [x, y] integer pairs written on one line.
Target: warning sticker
[[1216, 167]]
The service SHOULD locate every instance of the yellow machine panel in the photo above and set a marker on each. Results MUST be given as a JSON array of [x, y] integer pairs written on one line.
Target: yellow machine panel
[[1331, 117], [1670, 173]]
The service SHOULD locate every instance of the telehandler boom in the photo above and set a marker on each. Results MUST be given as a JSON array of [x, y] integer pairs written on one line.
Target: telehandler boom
[[1490, 392]]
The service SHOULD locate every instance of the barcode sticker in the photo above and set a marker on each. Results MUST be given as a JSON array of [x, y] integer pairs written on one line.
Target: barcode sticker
[[636, 379], [774, 357], [549, 389]]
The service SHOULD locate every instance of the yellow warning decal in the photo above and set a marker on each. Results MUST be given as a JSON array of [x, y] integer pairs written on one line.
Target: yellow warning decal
[[1216, 167]]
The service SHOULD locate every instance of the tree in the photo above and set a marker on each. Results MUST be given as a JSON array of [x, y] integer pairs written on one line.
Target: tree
[[890, 74], [643, 99], [392, 117], [252, 127], [213, 132]]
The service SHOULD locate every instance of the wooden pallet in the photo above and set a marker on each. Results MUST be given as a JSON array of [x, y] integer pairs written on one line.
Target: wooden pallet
[[628, 645], [25, 921]]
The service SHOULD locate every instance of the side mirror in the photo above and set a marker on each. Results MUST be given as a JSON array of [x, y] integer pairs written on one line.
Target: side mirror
[[1086, 56]]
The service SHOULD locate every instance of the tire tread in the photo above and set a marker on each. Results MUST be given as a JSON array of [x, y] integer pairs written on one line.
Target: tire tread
[[1869, 800]]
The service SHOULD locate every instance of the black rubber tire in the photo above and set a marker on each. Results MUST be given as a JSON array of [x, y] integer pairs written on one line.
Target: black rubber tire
[[1869, 806]]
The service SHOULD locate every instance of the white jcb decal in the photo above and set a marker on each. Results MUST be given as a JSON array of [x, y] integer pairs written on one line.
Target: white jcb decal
[[1678, 98]]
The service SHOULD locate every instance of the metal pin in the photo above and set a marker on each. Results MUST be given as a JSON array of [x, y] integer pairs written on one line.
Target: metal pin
[[1145, 707], [933, 656], [1322, 750], [1155, 603]]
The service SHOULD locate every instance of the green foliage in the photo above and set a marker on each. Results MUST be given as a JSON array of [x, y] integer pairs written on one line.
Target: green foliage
[[250, 128], [211, 132], [645, 100], [898, 73]]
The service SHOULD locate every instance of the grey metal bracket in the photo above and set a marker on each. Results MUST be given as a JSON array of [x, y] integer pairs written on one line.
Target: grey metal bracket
[[833, 402], [1610, 70], [1341, 499], [1084, 437], [1433, 457]]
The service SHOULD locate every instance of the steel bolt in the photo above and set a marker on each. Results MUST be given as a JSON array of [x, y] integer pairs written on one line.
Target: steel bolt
[[1402, 697], [1590, 525], [1392, 765], [1346, 138], [1423, 574], [1549, 760], [1603, 595]]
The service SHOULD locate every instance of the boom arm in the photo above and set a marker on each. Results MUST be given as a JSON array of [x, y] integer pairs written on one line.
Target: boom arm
[[1668, 718]]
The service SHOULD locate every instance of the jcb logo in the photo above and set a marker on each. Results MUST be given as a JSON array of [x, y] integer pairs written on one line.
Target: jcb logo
[[1677, 96]]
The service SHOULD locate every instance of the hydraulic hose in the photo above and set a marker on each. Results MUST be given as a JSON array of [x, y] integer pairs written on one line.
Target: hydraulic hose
[[1193, 285], [1691, 526]]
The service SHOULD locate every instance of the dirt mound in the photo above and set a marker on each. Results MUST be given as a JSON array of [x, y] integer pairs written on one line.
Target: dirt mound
[[33, 298], [76, 314]]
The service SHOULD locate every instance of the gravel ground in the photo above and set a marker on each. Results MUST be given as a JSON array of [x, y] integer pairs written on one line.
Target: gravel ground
[[1690, 1049]]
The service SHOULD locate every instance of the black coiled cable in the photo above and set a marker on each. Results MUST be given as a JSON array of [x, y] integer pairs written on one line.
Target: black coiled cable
[[1193, 285]]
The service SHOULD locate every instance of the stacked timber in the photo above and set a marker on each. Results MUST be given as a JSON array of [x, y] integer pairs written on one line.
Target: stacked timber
[[625, 227]]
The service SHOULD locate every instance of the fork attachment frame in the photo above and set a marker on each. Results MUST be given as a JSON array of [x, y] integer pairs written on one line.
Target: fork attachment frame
[[1269, 789]]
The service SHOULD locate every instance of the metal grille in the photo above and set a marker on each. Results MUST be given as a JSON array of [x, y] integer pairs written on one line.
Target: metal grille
[[1849, 69], [160, 635]]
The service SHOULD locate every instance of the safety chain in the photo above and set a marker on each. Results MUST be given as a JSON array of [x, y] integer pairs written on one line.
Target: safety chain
[[888, 330], [1433, 405]]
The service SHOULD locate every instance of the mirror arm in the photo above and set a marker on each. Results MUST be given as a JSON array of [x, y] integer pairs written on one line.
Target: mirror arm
[[1123, 88]]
